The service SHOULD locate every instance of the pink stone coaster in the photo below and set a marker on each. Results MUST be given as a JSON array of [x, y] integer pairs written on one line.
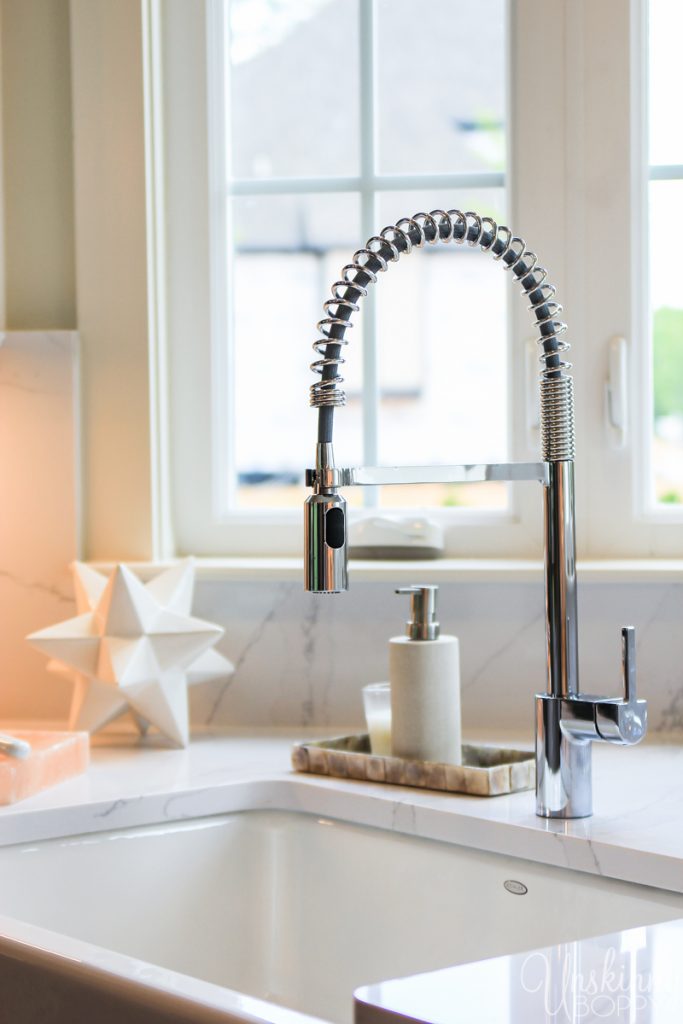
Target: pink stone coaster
[[54, 757]]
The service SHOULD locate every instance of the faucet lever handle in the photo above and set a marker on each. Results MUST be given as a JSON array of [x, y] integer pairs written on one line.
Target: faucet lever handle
[[623, 720], [628, 663]]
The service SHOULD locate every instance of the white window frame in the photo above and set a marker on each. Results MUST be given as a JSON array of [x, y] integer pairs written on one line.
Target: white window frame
[[559, 157], [280, 532], [608, 229]]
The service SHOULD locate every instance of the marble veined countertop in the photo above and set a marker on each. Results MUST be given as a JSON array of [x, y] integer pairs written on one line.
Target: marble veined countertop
[[636, 834]]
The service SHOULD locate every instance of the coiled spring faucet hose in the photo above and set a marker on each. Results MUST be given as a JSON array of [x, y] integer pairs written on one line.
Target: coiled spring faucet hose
[[555, 382]]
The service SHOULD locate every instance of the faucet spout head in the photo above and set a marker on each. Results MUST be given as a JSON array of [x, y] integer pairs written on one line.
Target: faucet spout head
[[325, 543]]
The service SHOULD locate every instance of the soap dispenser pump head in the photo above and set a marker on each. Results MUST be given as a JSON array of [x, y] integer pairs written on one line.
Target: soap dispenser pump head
[[422, 624]]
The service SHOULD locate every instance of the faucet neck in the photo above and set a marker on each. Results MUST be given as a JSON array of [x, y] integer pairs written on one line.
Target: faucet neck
[[562, 643]]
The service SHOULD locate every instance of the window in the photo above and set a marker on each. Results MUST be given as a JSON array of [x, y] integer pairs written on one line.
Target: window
[[312, 172], [303, 178], [550, 138], [665, 201]]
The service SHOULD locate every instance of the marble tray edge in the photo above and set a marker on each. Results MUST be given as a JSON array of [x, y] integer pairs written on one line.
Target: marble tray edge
[[348, 757]]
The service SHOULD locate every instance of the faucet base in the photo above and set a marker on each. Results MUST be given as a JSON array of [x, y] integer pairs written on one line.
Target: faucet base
[[563, 765]]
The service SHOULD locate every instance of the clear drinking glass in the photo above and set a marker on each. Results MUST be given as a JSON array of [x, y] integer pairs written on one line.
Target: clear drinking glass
[[377, 705]]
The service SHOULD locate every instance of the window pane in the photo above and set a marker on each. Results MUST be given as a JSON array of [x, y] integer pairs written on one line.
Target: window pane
[[666, 296], [288, 250], [666, 82], [442, 349], [441, 86], [294, 87]]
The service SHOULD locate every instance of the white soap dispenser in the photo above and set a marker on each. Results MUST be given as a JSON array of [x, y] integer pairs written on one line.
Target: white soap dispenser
[[424, 671]]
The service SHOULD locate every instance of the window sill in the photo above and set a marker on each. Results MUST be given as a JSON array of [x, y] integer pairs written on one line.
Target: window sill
[[446, 570]]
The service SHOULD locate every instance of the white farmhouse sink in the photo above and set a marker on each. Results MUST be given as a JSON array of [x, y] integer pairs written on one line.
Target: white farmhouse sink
[[299, 911]]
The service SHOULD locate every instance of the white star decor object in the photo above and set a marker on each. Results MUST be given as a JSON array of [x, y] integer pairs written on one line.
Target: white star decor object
[[134, 647]]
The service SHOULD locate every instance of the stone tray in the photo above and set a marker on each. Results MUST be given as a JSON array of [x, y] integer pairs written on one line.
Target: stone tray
[[485, 771]]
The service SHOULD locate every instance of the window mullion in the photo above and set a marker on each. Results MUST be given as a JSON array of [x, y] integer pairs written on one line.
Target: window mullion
[[368, 227], [222, 264], [354, 183]]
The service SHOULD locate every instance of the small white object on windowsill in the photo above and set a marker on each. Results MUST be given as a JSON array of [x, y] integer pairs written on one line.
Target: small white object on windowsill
[[382, 537]]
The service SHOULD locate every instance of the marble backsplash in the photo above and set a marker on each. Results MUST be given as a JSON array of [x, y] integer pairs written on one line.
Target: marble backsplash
[[39, 517], [301, 660]]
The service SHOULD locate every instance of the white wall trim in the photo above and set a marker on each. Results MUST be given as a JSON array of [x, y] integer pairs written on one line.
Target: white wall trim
[[441, 570], [161, 525], [112, 276]]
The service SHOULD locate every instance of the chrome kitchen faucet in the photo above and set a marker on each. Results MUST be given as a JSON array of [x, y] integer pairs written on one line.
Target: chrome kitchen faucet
[[567, 721]]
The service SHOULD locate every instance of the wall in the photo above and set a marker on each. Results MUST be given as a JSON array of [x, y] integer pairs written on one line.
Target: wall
[[71, 111], [38, 522], [39, 282], [301, 660], [38, 372]]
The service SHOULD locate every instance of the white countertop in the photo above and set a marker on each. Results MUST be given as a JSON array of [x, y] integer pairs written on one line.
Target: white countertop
[[636, 834]]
